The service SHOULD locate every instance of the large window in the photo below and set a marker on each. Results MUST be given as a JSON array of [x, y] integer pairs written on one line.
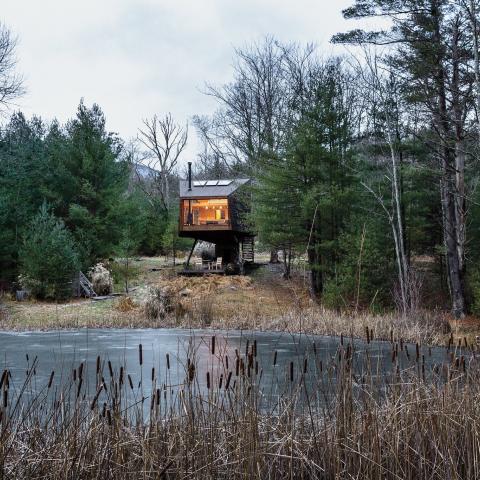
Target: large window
[[211, 211]]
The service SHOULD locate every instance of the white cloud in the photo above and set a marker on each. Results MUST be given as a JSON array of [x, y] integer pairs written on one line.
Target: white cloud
[[140, 57]]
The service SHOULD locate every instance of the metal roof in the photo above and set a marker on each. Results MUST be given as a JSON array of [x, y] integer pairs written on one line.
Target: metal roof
[[210, 188]]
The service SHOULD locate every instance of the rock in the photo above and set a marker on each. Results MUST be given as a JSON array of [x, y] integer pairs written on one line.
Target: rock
[[102, 280]]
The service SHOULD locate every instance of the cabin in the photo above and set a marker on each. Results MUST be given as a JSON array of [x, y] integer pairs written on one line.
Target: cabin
[[213, 211]]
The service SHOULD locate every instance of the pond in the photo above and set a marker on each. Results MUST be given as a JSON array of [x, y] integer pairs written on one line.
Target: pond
[[160, 358]]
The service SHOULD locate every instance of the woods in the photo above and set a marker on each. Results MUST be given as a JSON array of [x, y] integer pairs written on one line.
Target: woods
[[364, 165]]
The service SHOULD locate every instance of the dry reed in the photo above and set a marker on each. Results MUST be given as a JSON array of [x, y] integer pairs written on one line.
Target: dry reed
[[345, 418]]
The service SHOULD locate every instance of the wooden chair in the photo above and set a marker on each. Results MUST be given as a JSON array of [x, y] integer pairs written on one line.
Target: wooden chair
[[218, 264]]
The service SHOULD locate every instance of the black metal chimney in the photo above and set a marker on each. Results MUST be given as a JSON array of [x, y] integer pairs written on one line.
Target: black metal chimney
[[189, 176]]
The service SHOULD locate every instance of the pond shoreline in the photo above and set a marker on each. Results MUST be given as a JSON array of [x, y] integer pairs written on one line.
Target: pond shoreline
[[219, 326]]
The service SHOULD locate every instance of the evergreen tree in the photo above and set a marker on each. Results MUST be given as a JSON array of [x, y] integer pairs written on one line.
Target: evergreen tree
[[48, 257], [90, 183]]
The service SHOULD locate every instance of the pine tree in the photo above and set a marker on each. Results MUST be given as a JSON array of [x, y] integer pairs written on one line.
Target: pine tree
[[48, 257]]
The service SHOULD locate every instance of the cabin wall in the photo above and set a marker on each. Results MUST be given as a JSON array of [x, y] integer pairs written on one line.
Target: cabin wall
[[238, 210]]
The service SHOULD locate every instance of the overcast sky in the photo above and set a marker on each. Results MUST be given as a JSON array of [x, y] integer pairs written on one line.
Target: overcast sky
[[136, 58]]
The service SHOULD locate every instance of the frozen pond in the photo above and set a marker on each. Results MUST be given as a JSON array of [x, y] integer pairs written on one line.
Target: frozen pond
[[272, 358]]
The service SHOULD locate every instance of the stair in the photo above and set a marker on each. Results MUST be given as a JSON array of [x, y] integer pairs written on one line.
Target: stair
[[84, 286], [248, 250]]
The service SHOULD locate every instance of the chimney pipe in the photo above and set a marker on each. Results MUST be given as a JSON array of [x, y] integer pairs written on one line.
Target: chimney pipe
[[189, 176]]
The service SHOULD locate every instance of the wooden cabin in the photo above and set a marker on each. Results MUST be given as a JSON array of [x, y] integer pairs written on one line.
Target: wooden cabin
[[212, 211]]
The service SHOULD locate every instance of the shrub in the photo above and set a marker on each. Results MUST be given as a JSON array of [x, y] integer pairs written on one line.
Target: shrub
[[474, 290], [159, 303], [48, 258]]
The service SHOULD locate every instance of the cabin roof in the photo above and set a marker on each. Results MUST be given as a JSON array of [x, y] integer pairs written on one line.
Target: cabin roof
[[211, 188]]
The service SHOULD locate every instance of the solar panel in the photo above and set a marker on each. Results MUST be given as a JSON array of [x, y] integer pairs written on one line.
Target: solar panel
[[211, 183], [224, 183], [199, 183]]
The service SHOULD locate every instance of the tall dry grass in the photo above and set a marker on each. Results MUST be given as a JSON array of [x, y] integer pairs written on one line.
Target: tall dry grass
[[342, 418]]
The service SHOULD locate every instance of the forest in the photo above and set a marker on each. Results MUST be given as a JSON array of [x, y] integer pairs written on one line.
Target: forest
[[364, 166]]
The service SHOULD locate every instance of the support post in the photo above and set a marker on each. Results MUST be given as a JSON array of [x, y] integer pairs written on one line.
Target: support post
[[187, 265]]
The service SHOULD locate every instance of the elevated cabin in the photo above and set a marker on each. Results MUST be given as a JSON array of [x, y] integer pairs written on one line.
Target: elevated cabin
[[212, 211]]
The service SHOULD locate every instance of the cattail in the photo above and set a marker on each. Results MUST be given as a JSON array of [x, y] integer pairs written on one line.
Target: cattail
[[391, 336], [208, 380], [227, 384], [95, 398], [237, 366], [213, 345], [368, 334], [74, 374], [465, 341], [104, 409], [120, 376], [80, 371], [246, 347], [50, 381], [275, 358], [417, 351], [371, 334], [4, 375], [158, 396], [220, 381], [109, 417], [79, 387], [407, 352], [341, 339], [153, 374], [254, 348], [5, 398], [130, 381], [256, 368], [110, 368], [140, 354], [191, 372], [291, 371], [98, 364], [226, 362], [305, 365], [168, 361]]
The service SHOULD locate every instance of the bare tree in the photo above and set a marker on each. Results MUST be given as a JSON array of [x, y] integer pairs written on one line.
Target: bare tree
[[378, 86], [165, 141], [11, 83], [254, 108]]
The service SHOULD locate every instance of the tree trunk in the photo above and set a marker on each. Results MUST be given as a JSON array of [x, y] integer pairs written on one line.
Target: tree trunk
[[274, 256], [453, 227]]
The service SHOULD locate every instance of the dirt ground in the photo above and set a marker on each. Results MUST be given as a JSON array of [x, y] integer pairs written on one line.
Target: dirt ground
[[261, 300], [262, 294]]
